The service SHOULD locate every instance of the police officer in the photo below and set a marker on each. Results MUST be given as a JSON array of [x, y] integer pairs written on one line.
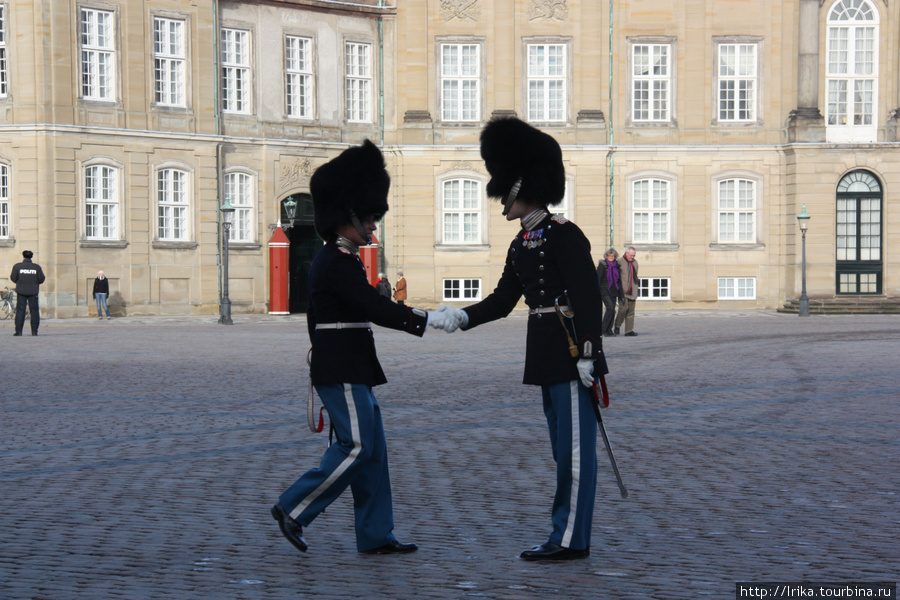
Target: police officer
[[349, 196], [28, 277], [549, 262]]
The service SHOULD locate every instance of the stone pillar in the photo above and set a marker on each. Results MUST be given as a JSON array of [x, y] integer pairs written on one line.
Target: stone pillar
[[806, 123]]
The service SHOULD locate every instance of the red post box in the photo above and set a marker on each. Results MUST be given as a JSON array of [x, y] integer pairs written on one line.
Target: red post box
[[279, 267]]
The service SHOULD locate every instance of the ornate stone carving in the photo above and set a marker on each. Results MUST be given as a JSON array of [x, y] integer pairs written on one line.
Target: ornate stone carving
[[467, 10], [548, 10], [295, 174]]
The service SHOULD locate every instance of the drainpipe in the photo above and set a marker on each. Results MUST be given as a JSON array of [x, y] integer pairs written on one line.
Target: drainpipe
[[381, 259], [609, 121], [216, 112]]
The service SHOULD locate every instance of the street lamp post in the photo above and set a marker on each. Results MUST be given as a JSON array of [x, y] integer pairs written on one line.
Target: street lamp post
[[803, 220], [227, 211]]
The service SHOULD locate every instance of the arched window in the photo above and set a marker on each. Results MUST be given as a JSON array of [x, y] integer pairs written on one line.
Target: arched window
[[461, 211], [239, 191], [173, 205], [101, 202], [858, 235], [4, 201], [852, 72], [651, 211]]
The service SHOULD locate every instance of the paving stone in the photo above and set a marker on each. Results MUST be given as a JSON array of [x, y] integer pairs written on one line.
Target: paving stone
[[139, 459]]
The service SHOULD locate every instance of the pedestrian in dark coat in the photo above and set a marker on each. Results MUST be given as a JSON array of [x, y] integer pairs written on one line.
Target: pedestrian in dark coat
[[28, 277], [609, 276]]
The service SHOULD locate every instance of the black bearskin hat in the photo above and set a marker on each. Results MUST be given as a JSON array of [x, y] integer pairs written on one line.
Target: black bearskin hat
[[354, 180], [512, 149]]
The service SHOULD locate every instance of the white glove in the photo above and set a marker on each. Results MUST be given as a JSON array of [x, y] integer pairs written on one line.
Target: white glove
[[585, 368], [448, 319], [439, 319]]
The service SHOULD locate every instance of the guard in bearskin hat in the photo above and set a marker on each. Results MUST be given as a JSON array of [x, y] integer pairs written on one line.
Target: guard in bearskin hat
[[349, 196], [549, 262]]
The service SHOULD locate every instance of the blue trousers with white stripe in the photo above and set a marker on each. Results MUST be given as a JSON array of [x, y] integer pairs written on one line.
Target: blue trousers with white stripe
[[357, 459], [573, 438]]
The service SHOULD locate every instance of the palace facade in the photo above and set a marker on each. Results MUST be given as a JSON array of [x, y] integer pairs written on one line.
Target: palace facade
[[694, 130]]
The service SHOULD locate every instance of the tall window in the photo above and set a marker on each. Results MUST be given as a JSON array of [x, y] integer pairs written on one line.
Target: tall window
[[358, 82], [651, 207], [98, 55], [461, 209], [298, 82], [169, 61], [239, 188], [236, 71], [651, 82], [101, 196], [737, 82], [851, 77], [547, 82], [737, 211], [4, 201], [172, 205], [4, 78], [460, 82]]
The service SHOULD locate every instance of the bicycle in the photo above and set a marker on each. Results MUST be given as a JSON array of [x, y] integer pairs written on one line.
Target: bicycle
[[6, 303]]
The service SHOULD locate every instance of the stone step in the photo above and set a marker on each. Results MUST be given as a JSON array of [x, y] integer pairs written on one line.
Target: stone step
[[845, 306]]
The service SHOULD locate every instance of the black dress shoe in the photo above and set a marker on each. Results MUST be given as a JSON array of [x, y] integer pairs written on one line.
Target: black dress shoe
[[616, 331], [631, 334], [17, 335], [393, 547], [34, 333], [290, 528], [551, 551]]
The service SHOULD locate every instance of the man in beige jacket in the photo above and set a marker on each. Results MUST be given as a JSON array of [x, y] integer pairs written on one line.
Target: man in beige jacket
[[628, 266]]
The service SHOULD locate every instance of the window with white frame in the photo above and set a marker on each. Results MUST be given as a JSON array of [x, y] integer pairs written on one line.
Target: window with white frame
[[235, 71], [651, 207], [737, 211], [298, 84], [737, 288], [851, 79], [655, 288], [358, 82], [98, 55], [651, 82], [4, 77], [461, 82], [547, 73], [101, 200], [737, 82], [4, 201], [564, 208], [169, 61], [239, 191], [461, 209], [173, 205], [462, 289]]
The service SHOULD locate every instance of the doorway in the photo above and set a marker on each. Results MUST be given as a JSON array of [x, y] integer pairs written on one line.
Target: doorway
[[858, 237], [305, 244]]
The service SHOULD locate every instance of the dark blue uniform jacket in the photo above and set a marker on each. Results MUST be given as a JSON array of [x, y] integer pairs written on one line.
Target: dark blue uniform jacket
[[340, 293], [555, 257]]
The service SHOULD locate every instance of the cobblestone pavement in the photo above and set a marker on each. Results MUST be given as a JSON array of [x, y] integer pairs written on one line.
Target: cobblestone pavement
[[140, 458]]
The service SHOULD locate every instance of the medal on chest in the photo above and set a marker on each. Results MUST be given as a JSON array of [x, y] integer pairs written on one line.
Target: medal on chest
[[533, 239]]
